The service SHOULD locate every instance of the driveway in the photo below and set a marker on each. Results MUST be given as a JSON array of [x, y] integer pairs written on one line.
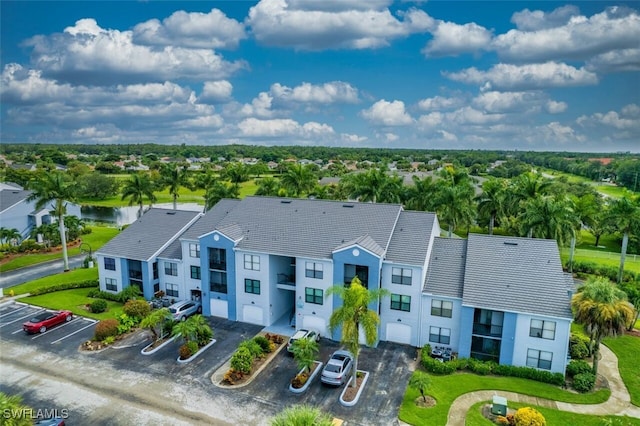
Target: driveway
[[122, 386], [30, 273]]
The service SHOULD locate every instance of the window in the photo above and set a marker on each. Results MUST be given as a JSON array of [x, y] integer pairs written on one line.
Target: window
[[155, 270], [401, 302], [252, 262], [313, 270], [218, 259], [218, 281], [194, 250], [539, 359], [109, 264], [543, 329], [401, 276], [172, 290], [171, 268], [440, 335], [441, 308], [352, 271], [313, 295], [251, 286], [111, 284], [195, 272]]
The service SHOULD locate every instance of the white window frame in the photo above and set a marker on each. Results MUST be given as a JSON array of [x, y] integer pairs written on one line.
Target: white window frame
[[111, 260], [111, 282], [535, 359], [438, 305], [438, 331], [314, 270], [252, 262], [542, 329], [172, 290], [401, 302], [401, 276], [171, 269], [194, 250]]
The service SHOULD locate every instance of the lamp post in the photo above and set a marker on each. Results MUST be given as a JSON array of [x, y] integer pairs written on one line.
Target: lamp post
[[90, 257]]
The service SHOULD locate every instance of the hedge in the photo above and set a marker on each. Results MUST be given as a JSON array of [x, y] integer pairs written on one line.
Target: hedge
[[65, 286]]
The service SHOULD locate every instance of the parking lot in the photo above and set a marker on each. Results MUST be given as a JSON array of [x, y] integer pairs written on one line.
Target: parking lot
[[389, 365]]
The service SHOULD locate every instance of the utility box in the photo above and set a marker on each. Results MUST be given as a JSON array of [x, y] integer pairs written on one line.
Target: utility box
[[499, 405]]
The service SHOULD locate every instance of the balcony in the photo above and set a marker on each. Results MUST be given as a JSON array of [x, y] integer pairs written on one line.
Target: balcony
[[487, 330], [286, 281]]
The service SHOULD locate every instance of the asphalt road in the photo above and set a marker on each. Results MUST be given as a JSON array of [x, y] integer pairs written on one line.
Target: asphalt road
[[23, 275]]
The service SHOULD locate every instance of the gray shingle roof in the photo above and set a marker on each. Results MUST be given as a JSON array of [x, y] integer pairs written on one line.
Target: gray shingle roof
[[174, 251], [365, 242], [149, 234], [11, 197], [516, 275], [210, 220], [410, 240], [445, 275], [308, 228]]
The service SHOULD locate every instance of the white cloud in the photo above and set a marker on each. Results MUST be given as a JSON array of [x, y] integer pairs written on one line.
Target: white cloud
[[528, 20], [87, 53], [517, 102], [439, 103], [469, 115], [557, 132], [430, 120], [554, 107], [384, 113], [334, 25], [352, 138], [211, 30], [616, 60], [216, 91], [450, 38], [259, 107], [281, 127], [447, 136], [391, 137], [326, 93], [627, 119], [526, 77], [580, 38]]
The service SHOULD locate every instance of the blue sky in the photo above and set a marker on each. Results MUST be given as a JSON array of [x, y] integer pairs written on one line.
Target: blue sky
[[353, 73]]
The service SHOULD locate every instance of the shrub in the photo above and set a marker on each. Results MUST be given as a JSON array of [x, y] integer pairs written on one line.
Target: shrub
[[264, 343], [137, 309], [576, 367], [131, 292], [232, 376], [480, 367], [204, 335], [98, 306], [125, 323], [29, 245], [438, 367], [275, 338], [64, 286], [106, 328], [253, 347], [578, 346], [584, 382], [242, 360], [109, 340], [527, 416], [185, 351]]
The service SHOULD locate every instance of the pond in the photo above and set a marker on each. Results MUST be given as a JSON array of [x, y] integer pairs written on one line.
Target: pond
[[129, 214]]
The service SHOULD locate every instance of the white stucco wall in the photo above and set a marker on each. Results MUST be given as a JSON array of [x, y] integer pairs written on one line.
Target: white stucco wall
[[243, 298], [557, 346], [429, 320], [393, 316], [313, 311]]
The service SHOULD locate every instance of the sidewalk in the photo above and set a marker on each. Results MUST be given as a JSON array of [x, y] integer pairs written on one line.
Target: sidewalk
[[618, 403]]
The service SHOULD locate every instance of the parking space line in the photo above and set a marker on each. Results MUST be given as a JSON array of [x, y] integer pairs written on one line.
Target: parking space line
[[21, 318], [69, 335], [18, 331], [55, 328], [14, 311]]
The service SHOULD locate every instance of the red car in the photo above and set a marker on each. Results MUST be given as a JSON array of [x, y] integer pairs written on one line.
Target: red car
[[41, 322]]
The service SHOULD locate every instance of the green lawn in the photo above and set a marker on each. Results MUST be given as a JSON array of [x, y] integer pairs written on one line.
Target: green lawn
[[553, 417], [627, 349], [445, 389], [98, 237], [77, 275], [73, 300], [604, 188], [631, 262]]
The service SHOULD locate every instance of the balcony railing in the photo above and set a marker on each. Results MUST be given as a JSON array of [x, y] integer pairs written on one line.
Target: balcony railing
[[220, 266], [487, 329], [286, 279], [136, 275]]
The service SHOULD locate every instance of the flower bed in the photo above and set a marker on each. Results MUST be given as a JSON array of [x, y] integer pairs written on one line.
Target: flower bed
[[350, 395], [308, 378]]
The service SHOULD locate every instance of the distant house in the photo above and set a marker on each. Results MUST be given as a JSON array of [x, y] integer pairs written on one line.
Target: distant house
[[16, 212], [266, 260]]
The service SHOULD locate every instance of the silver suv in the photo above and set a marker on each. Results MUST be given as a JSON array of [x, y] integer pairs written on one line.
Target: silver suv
[[185, 308]]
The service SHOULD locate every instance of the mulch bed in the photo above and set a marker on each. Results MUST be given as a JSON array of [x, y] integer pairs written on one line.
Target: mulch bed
[[352, 391], [430, 402]]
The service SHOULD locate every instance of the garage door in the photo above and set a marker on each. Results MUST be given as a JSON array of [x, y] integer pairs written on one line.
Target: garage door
[[219, 308], [399, 333], [311, 322], [252, 314]]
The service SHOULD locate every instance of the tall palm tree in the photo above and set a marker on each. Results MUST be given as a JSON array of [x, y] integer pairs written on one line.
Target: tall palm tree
[[268, 186], [624, 214], [603, 309], [421, 195], [355, 314], [217, 192], [236, 173], [298, 180], [375, 186], [523, 188], [491, 202], [455, 206], [7, 235], [136, 189], [548, 217], [58, 189], [175, 177]]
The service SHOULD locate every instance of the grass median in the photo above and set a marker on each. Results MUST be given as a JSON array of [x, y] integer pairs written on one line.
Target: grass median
[[77, 275], [75, 301]]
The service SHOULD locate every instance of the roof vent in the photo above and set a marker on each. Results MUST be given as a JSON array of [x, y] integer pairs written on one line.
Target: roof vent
[[171, 213], [349, 206], [285, 201], [510, 243]]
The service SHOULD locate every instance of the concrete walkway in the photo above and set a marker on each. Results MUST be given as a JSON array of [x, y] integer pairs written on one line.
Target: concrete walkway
[[618, 404]]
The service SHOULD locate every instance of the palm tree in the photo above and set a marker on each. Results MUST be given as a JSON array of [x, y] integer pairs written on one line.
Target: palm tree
[[355, 314], [374, 185], [74, 226], [136, 189], [548, 217], [155, 320], [236, 173], [57, 188], [187, 329], [19, 412], [302, 415], [603, 309], [48, 233], [633, 296], [174, 178], [304, 352], [624, 214], [268, 186], [523, 188], [421, 196], [491, 203], [420, 381], [9, 235], [298, 180], [217, 192], [455, 206]]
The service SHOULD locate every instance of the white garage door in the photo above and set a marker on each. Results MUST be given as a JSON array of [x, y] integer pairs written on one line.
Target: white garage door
[[399, 333], [252, 314], [219, 308], [311, 322]]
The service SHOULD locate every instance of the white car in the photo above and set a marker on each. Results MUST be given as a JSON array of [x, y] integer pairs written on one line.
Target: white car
[[303, 334], [185, 308]]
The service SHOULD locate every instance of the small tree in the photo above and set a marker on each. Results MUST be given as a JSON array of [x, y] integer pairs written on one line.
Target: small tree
[[155, 320], [304, 352], [421, 382], [18, 412]]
